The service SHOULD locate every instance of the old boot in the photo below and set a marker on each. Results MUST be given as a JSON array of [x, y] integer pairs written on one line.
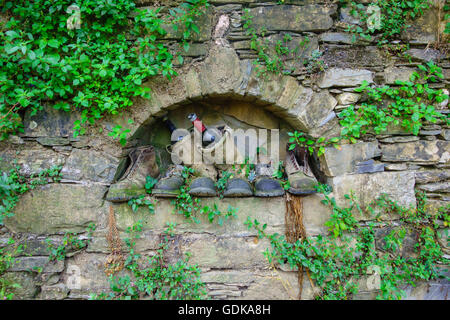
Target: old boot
[[169, 186], [132, 184], [300, 177], [265, 185], [203, 183], [238, 187]]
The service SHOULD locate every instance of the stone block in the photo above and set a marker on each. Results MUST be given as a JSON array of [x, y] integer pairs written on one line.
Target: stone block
[[338, 77], [58, 208]]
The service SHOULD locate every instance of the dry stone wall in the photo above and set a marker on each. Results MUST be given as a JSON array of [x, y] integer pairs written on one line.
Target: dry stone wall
[[219, 65]]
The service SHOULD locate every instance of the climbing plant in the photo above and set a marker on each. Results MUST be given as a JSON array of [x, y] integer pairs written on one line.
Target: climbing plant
[[351, 253], [12, 185], [94, 68], [389, 18], [153, 276]]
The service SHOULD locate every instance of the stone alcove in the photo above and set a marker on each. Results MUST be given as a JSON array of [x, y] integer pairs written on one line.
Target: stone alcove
[[223, 84]]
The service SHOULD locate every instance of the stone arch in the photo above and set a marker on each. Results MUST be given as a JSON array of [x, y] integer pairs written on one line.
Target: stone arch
[[223, 75]]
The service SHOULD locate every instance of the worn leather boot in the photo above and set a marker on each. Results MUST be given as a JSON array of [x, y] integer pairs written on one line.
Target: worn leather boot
[[300, 177], [132, 183]]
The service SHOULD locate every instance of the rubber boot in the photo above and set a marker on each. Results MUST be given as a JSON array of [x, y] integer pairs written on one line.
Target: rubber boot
[[132, 184], [203, 183], [238, 187]]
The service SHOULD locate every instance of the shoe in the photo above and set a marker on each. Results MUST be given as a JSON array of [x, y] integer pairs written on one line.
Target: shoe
[[300, 177], [169, 186], [268, 187], [132, 184], [237, 187], [202, 187]]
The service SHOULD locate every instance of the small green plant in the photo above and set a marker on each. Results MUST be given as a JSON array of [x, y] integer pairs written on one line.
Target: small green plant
[[338, 262], [394, 16], [8, 256], [95, 70], [222, 182], [143, 200], [271, 57], [157, 279], [408, 104], [70, 242], [13, 184]]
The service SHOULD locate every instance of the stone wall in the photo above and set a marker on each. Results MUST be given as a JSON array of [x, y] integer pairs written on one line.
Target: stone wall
[[218, 67]]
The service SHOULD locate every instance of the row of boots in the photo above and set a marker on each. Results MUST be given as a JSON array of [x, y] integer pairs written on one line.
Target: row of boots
[[143, 163]]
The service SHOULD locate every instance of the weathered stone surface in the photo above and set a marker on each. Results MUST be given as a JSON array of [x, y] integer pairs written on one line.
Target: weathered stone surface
[[337, 77], [400, 139], [445, 134], [49, 122], [351, 56], [419, 151], [53, 141], [28, 288], [315, 214], [57, 208], [318, 111], [293, 18], [225, 252], [251, 114], [422, 30], [396, 166], [55, 292], [338, 37], [425, 55], [37, 263], [347, 98], [367, 187], [90, 165], [283, 286], [435, 187], [369, 166], [270, 210], [89, 272], [336, 162], [31, 161], [392, 74], [221, 72], [428, 176]]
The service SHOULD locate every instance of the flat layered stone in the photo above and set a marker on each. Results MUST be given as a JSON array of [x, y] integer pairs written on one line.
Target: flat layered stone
[[293, 18], [31, 160], [49, 122], [367, 187], [225, 252], [318, 111], [270, 210], [338, 77], [419, 151], [392, 74], [57, 208], [90, 165], [435, 187], [429, 176], [336, 162], [37, 263], [347, 98]]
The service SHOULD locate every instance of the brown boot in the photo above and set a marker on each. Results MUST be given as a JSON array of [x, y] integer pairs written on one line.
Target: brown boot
[[132, 184], [300, 177]]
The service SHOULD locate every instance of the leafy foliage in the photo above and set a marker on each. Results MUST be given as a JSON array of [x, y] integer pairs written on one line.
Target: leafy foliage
[[94, 70], [70, 242], [7, 260], [155, 278], [13, 184], [394, 17], [338, 262], [408, 104]]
